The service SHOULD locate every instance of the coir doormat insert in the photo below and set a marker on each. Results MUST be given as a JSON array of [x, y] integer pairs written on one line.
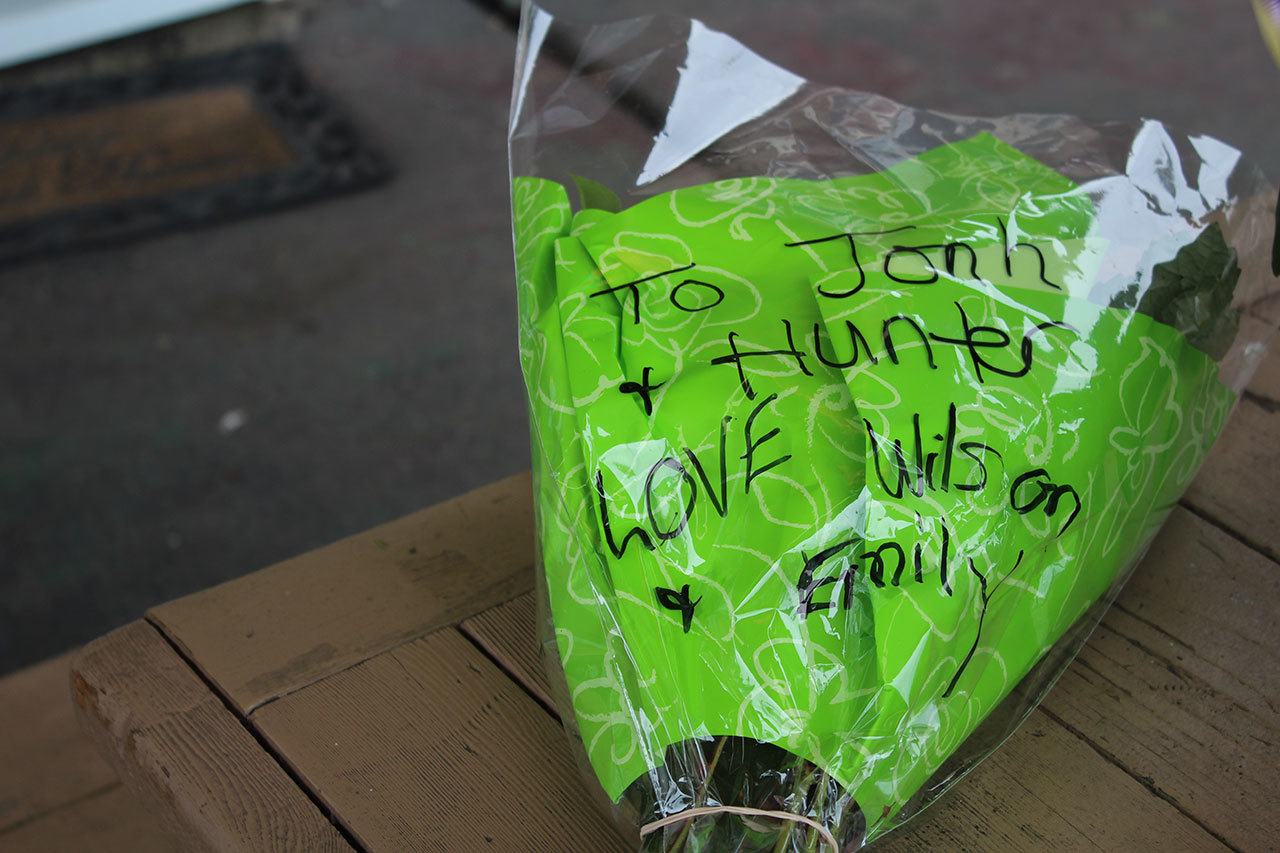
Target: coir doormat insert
[[93, 162]]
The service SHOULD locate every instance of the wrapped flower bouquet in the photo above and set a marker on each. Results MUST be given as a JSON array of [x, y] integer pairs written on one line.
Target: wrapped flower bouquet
[[848, 419]]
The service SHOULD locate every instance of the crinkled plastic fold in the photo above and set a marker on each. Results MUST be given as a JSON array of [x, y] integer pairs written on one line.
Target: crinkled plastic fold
[[849, 419]]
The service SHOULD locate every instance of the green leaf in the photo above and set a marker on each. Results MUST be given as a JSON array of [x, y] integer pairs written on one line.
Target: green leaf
[[1192, 292], [596, 195]]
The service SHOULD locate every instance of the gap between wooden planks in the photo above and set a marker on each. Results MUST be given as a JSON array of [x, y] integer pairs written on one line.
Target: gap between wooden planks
[[190, 757], [1237, 488], [429, 746]]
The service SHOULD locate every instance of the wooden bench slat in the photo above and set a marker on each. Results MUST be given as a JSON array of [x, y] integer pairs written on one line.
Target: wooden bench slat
[[508, 634], [1266, 382], [1045, 789], [1208, 604], [269, 633], [1187, 750], [1237, 486], [40, 735], [175, 743], [412, 746], [1038, 791], [109, 822], [1179, 686]]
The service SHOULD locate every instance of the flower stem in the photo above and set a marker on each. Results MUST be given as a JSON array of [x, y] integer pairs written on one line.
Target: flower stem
[[820, 800], [700, 797], [801, 787]]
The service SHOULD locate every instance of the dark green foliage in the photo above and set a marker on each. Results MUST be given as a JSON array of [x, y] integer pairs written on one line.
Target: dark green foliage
[[1192, 292], [595, 195], [728, 770]]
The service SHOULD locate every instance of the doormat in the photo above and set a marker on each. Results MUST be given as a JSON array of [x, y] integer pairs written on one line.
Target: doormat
[[99, 161]]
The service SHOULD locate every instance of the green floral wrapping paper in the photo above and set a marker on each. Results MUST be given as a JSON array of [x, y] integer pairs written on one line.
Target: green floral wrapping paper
[[831, 464]]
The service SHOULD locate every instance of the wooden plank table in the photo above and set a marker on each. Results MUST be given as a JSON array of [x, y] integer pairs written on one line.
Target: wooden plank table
[[384, 693]]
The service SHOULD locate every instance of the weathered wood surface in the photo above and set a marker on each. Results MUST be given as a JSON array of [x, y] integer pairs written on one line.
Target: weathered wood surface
[[111, 821], [1237, 486], [1047, 790], [267, 634], [1265, 386], [506, 633], [1180, 684], [39, 733], [415, 746], [56, 792], [175, 743]]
